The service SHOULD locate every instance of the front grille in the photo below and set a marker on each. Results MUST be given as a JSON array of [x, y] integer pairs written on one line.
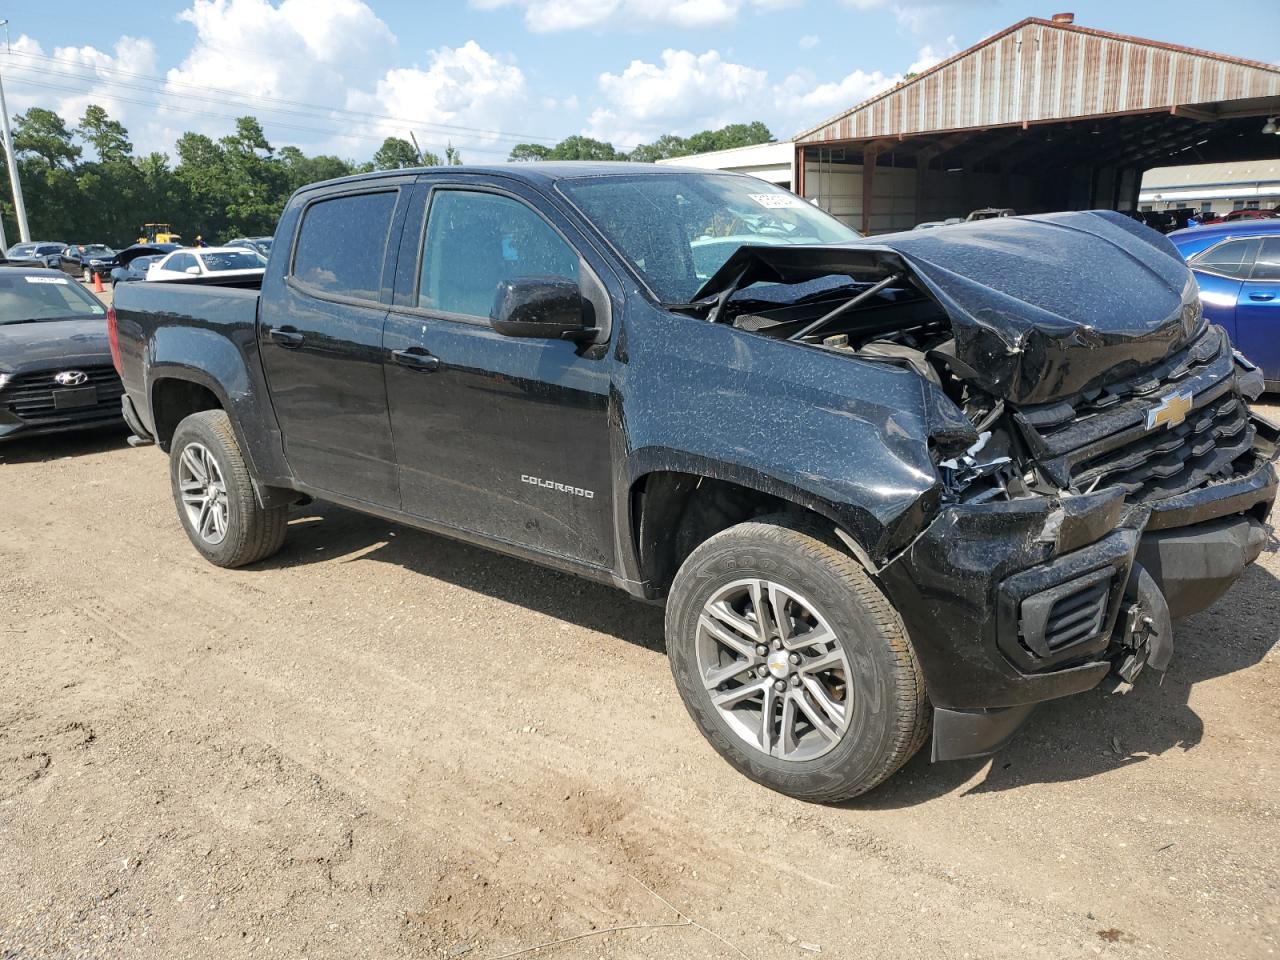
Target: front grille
[[30, 396], [1168, 462], [1103, 440]]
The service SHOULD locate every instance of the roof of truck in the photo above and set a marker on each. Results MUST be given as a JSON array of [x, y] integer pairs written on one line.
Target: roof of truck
[[538, 171]]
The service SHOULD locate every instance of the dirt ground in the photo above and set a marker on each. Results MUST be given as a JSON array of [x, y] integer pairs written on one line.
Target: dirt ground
[[383, 744]]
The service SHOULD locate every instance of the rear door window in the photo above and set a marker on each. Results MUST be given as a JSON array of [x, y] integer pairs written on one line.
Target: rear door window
[[1231, 259], [477, 240], [1267, 265], [342, 244]]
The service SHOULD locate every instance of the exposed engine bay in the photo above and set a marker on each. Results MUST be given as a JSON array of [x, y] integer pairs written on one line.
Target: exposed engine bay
[[1135, 390]]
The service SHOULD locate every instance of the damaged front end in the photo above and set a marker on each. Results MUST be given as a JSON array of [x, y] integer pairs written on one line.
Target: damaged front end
[[1100, 472]]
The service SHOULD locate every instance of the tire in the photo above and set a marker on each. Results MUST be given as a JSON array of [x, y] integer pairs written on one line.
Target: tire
[[248, 532], [877, 713]]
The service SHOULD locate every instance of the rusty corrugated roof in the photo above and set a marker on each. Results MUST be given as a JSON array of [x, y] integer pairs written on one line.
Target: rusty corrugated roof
[[1039, 70]]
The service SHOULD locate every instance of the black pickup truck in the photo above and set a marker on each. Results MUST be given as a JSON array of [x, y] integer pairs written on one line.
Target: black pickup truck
[[886, 485]]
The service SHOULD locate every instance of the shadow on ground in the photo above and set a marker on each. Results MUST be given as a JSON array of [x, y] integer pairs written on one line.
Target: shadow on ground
[[1070, 739], [56, 446], [321, 531]]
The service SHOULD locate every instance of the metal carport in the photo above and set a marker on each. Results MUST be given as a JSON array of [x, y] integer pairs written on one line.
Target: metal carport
[[1045, 115]]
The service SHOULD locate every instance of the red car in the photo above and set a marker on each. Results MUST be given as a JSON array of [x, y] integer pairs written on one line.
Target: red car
[[1250, 213]]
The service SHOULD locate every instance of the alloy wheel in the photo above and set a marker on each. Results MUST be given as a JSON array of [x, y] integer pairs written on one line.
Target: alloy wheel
[[774, 669], [204, 493]]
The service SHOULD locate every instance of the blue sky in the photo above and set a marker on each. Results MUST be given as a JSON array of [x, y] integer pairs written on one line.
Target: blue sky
[[338, 75]]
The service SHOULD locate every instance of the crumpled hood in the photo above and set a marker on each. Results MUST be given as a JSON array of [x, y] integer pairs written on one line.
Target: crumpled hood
[[61, 343], [1042, 307]]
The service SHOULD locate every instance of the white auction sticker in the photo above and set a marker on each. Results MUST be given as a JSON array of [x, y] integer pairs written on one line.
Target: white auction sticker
[[62, 280], [777, 201]]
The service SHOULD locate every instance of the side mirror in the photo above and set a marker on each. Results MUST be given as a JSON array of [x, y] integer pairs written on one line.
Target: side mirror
[[543, 307], [194, 271]]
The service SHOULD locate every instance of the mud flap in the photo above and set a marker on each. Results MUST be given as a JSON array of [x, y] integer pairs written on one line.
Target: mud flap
[[1145, 630]]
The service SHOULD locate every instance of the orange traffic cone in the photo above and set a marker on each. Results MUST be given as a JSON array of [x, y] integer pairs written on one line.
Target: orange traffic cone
[[97, 282]]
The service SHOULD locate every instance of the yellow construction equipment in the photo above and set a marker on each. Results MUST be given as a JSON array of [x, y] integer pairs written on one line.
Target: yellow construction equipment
[[158, 233]]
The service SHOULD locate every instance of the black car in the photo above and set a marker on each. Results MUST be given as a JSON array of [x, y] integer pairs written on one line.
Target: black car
[[260, 245], [36, 253], [135, 269], [83, 260], [925, 479], [131, 263], [55, 363]]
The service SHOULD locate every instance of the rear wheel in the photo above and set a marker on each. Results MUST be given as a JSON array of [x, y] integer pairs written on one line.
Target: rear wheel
[[792, 662], [215, 496]]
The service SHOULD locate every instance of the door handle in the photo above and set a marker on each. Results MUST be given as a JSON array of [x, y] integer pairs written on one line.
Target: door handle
[[1262, 296], [416, 358], [287, 337]]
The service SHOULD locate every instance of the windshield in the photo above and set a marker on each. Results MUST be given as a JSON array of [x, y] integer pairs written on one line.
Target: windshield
[[49, 249], [97, 250], [232, 260], [25, 297], [677, 230], [21, 250]]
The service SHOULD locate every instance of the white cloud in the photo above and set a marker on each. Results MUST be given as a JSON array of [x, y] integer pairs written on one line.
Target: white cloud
[[647, 99], [335, 53], [552, 16], [76, 77], [927, 56], [687, 92], [809, 41], [461, 86], [300, 50]]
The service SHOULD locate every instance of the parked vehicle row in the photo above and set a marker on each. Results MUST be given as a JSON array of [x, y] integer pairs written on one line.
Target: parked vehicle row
[[888, 489]]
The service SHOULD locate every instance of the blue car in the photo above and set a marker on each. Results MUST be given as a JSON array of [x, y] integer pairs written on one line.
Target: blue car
[[1238, 268]]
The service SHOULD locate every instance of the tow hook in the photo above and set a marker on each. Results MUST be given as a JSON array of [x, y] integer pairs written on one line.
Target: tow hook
[[1146, 629]]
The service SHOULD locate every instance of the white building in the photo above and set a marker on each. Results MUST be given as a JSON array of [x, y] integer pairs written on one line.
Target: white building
[[775, 162], [1212, 187]]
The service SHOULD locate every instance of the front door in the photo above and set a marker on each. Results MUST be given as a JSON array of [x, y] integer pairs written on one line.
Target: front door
[[321, 347], [503, 437], [1258, 311]]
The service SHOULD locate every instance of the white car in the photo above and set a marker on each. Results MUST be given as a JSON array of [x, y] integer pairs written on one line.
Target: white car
[[207, 262]]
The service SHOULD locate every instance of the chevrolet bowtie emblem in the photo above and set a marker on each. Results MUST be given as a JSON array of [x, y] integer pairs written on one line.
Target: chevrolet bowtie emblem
[[1171, 411]]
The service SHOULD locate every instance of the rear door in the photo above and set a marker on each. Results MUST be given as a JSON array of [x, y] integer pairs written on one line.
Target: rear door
[[320, 335], [503, 437], [1221, 271], [1258, 310]]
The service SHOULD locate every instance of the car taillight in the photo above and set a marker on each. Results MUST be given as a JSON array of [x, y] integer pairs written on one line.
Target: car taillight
[[113, 339]]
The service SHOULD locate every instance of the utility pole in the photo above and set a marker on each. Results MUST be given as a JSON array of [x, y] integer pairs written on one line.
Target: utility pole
[[19, 207], [417, 148]]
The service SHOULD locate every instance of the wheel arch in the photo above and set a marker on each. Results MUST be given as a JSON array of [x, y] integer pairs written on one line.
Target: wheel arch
[[673, 510]]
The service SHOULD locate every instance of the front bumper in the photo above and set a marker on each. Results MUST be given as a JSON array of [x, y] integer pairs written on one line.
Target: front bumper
[[1010, 604]]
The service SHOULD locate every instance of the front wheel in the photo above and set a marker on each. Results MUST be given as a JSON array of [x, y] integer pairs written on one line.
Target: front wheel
[[792, 662], [215, 497]]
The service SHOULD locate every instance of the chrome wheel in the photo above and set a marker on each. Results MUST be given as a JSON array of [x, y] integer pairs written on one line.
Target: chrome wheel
[[774, 669], [204, 493]]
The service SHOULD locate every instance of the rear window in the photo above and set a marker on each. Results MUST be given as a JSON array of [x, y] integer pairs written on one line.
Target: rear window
[[1231, 259], [342, 244], [232, 260], [25, 297]]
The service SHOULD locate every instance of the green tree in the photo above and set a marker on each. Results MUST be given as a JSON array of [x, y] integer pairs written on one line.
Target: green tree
[[579, 147], [523, 152], [109, 138], [397, 154], [452, 156], [42, 134]]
